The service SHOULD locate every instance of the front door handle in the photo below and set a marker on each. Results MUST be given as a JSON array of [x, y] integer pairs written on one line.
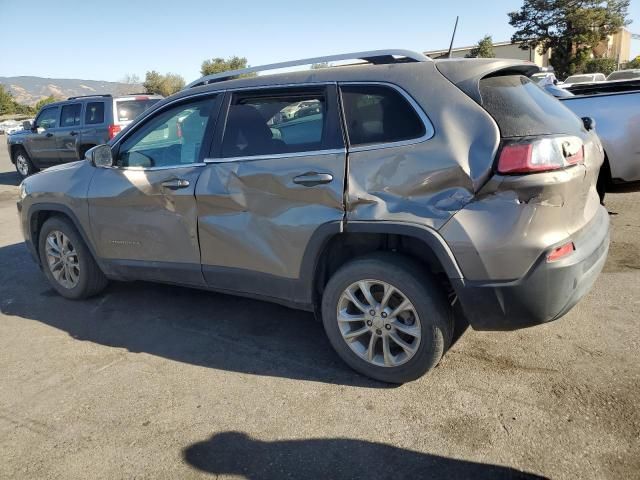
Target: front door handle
[[48, 135], [175, 184], [311, 179], [73, 134]]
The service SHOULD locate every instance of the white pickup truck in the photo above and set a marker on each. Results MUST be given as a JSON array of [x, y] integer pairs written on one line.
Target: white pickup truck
[[615, 107]]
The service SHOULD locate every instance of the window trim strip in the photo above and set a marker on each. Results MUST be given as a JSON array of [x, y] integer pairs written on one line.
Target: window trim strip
[[308, 153]]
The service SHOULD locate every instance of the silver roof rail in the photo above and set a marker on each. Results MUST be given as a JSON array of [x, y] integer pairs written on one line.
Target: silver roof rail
[[375, 57]]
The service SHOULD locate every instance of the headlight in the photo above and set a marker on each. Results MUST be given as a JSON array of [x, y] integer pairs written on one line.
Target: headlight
[[23, 190]]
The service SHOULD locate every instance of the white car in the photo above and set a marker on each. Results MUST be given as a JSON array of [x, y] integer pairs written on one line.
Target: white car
[[584, 78]]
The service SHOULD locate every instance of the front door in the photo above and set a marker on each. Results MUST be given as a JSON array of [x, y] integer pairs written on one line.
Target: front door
[[143, 210], [275, 179], [41, 142]]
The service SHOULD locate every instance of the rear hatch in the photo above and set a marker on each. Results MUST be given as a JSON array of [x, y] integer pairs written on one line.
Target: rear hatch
[[126, 109], [546, 155]]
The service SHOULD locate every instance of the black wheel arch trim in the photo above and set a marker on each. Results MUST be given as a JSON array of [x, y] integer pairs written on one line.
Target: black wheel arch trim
[[63, 209], [425, 234]]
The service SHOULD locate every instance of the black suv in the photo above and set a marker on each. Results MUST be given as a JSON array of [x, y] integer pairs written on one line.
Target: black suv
[[64, 131]]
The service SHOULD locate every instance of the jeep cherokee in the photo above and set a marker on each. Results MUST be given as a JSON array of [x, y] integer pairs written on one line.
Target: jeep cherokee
[[415, 184]]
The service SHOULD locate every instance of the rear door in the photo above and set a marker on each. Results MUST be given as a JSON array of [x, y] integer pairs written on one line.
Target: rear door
[[275, 180], [68, 132], [41, 144], [143, 210]]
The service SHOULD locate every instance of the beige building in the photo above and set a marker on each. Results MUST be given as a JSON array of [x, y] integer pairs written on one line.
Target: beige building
[[502, 50], [618, 46]]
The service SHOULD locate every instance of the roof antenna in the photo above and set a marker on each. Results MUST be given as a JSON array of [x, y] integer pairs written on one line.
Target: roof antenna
[[453, 37]]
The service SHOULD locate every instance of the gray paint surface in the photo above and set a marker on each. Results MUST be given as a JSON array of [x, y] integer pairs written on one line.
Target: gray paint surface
[[617, 119]]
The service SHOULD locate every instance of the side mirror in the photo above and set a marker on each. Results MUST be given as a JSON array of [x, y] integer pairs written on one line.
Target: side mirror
[[27, 125], [589, 123], [100, 156]]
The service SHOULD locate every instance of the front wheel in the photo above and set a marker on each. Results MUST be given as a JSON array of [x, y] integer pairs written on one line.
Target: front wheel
[[387, 318], [67, 262], [24, 166]]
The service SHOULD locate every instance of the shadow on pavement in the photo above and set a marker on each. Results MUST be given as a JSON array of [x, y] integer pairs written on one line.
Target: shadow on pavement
[[335, 458], [181, 324], [9, 178]]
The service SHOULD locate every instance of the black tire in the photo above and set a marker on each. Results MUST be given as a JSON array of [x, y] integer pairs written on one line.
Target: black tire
[[604, 180], [420, 287], [91, 280], [24, 165], [83, 150]]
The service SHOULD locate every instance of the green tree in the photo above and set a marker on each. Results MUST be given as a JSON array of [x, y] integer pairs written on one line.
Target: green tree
[[483, 49], [635, 63], [44, 101], [571, 28], [219, 65], [7, 104], [600, 65], [164, 85]]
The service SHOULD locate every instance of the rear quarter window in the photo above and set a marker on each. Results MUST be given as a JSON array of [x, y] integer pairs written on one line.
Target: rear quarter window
[[521, 108], [377, 114]]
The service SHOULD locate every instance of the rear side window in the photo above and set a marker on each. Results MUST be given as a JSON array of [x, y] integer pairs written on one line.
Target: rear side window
[[521, 108], [274, 124], [70, 116], [94, 114], [128, 110], [379, 114]]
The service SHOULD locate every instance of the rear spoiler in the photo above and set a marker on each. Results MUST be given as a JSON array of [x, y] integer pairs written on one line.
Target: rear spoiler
[[466, 73]]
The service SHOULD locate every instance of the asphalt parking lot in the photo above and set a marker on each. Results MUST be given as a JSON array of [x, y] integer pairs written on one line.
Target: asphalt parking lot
[[153, 381]]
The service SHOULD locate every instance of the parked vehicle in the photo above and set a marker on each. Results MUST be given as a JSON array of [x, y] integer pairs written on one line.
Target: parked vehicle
[[584, 78], [614, 106], [624, 75], [549, 76], [10, 126], [64, 131], [419, 185]]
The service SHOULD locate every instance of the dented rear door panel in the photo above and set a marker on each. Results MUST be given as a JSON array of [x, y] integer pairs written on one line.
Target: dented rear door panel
[[253, 217]]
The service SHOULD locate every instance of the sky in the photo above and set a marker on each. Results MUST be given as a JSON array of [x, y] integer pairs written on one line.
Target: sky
[[108, 39]]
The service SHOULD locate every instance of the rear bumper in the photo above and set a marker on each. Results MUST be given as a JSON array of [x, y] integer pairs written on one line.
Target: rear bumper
[[547, 292]]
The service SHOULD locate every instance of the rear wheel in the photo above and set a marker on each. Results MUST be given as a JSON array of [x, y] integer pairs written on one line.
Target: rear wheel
[[24, 166], [67, 262], [387, 318]]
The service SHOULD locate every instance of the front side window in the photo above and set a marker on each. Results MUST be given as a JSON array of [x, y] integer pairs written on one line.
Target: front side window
[[48, 118], [173, 137], [379, 114], [70, 116], [94, 115], [274, 124]]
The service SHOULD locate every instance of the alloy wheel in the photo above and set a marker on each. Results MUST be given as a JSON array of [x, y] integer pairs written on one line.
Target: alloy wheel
[[22, 165], [62, 259], [379, 323]]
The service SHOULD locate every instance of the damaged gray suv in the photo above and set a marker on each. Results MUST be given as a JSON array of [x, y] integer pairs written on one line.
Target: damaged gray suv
[[384, 196]]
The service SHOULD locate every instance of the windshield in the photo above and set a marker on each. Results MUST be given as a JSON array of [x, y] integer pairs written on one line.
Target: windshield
[[579, 79], [624, 75], [128, 110]]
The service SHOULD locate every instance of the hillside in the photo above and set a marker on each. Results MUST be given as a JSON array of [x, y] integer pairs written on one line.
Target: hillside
[[28, 90]]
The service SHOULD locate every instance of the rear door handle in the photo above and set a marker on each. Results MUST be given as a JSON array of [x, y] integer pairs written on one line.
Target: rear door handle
[[311, 179], [49, 135], [73, 134], [175, 184]]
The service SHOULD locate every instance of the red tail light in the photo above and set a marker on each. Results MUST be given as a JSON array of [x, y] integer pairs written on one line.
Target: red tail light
[[541, 155], [561, 252], [114, 130]]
